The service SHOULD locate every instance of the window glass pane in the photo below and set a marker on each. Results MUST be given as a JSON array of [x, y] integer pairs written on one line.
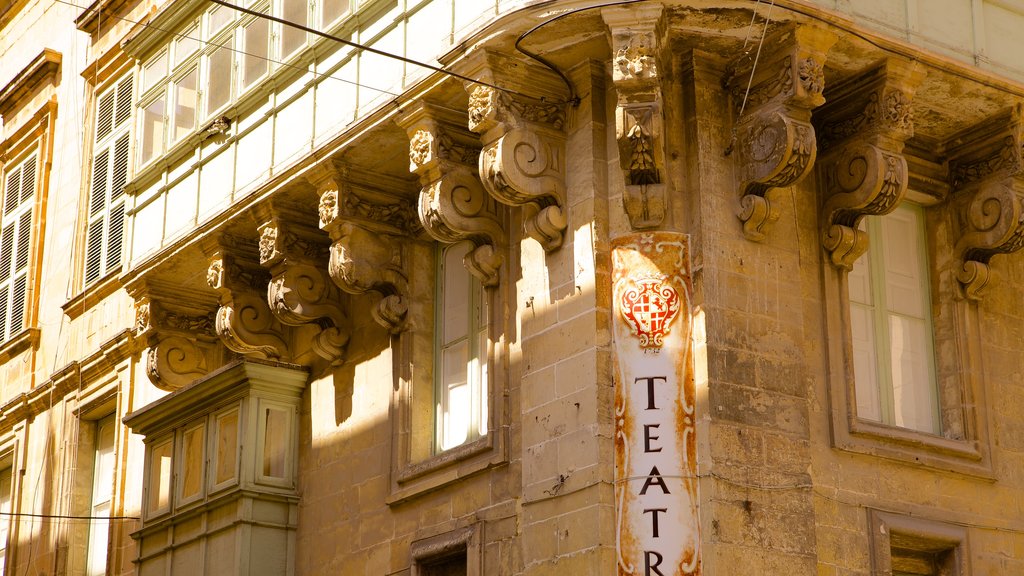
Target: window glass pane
[[219, 16], [292, 38], [332, 10], [257, 41], [154, 71], [192, 457], [218, 80], [865, 362], [275, 442], [159, 488], [456, 294], [186, 44], [185, 100], [913, 388], [152, 130], [227, 447]]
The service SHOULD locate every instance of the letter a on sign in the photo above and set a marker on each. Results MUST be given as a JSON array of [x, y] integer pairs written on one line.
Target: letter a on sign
[[655, 434]]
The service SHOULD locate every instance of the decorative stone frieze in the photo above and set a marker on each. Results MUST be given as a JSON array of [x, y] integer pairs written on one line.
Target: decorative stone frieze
[[774, 140], [987, 175], [299, 291], [453, 205], [244, 321], [639, 120], [368, 230], [177, 324], [861, 134]]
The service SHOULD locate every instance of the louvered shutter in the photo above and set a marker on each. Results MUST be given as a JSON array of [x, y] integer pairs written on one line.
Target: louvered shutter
[[15, 246], [12, 194], [105, 228]]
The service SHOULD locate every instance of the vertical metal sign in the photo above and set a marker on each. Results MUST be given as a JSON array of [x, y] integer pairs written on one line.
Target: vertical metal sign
[[657, 532]]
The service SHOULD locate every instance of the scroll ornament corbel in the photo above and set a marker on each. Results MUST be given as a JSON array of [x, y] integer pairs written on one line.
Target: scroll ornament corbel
[[244, 321], [776, 150], [992, 222], [522, 162], [453, 205], [298, 292], [179, 352], [864, 180]]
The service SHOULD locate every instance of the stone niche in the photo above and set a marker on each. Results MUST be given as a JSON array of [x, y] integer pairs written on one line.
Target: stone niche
[[219, 494]]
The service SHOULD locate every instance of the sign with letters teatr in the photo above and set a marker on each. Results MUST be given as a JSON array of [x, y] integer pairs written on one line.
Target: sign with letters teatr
[[655, 446]]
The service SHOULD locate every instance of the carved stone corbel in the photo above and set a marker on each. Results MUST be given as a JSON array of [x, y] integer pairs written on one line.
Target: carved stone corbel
[[988, 187], [774, 139], [862, 134], [639, 120], [453, 205], [368, 229], [299, 291], [178, 327], [244, 321]]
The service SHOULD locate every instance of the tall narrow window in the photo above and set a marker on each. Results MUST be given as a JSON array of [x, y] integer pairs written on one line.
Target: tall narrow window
[[15, 241], [102, 495], [461, 352], [105, 230], [890, 318], [6, 498], [293, 38]]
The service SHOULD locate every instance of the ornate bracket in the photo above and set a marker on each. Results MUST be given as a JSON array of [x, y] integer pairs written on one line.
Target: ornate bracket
[[988, 181], [639, 121], [522, 162], [244, 321], [367, 250], [299, 291], [862, 134], [774, 136], [179, 332], [453, 205]]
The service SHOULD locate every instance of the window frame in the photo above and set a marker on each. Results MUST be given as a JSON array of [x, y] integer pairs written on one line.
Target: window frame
[[883, 527], [92, 541], [963, 445], [8, 527]]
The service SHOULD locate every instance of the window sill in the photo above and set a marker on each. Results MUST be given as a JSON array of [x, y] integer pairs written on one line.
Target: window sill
[[916, 448], [92, 294], [27, 338], [449, 466]]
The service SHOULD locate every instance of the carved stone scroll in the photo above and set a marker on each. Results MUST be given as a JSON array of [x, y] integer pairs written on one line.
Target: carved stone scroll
[[299, 291], [244, 321], [862, 134], [453, 205], [522, 162], [987, 175], [178, 327], [774, 138], [368, 230], [639, 118]]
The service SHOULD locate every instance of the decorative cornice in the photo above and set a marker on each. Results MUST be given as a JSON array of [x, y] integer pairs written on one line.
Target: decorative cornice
[[44, 67], [453, 205], [774, 136]]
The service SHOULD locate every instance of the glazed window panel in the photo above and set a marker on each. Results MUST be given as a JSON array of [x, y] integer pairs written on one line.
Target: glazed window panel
[[332, 10], [102, 497], [192, 463], [226, 452], [890, 324], [256, 51], [186, 45], [218, 81], [293, 38], [159, 480], [153, 122], [154, 71], [275, 424], [186, 100], [461, 352]]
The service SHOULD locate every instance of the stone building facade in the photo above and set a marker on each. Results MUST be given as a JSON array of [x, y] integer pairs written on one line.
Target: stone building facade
[[512, 287]]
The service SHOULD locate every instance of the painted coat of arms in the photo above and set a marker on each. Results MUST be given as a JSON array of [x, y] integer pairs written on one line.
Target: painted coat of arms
[[649, 305]]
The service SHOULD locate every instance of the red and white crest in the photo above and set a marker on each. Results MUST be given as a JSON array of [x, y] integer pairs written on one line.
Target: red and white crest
[[649, 305]]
